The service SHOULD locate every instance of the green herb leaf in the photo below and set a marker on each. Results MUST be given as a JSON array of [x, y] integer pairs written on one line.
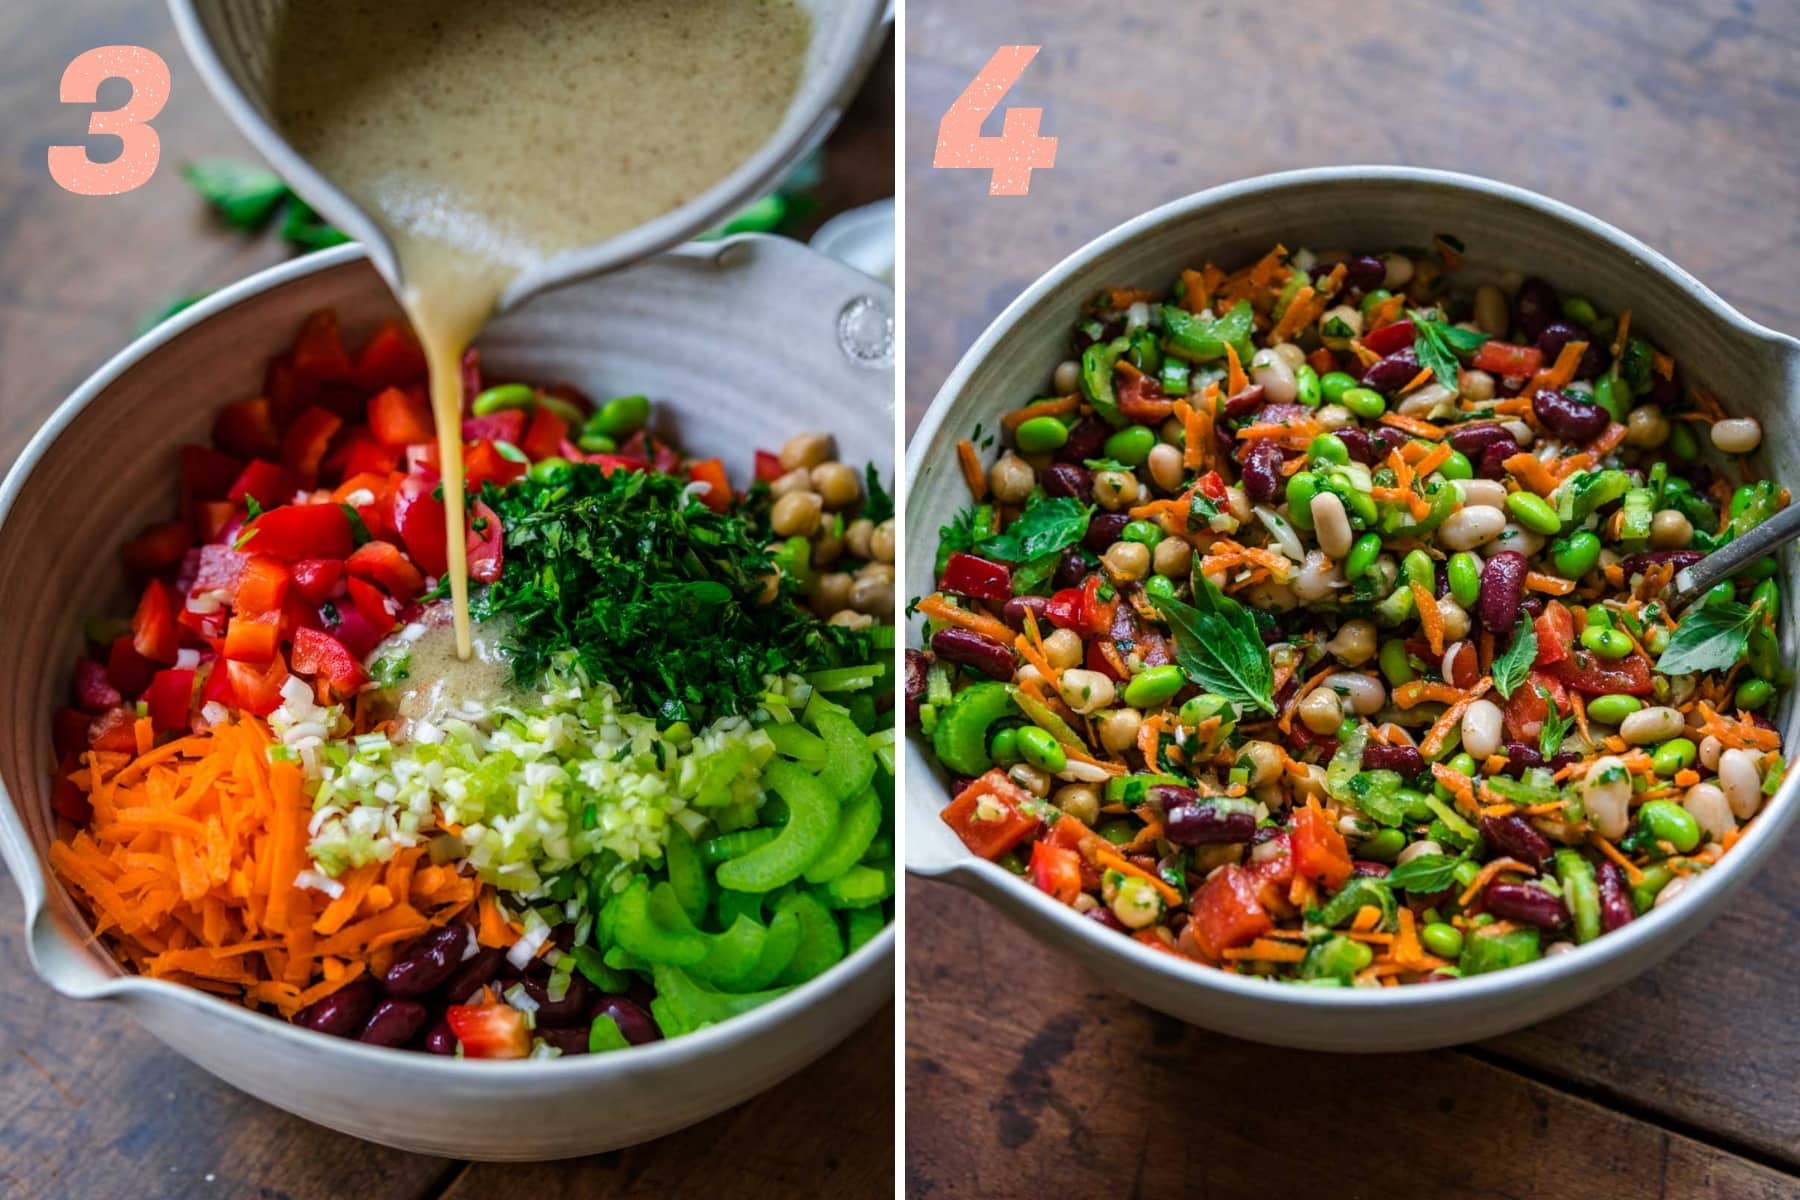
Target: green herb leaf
[[1709, 638], [302, 227], [1438, 346], [359, 532], [244, 194], [1425, 874], [390, 669], [880, 505], [509, 452], [1044, 527], [1511, 668], [1218, 645], [1555, 727], [252, 508]]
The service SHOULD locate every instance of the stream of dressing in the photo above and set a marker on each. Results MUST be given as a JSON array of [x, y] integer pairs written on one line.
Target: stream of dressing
[[485, 138]]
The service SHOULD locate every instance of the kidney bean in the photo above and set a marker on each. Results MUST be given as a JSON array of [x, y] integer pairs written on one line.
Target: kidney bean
[[1016, 608], [570, 1039], [1071, 569], [1103, 530], [1245, 402], [1532, 606], [1364, 272], [1615, 898], [428, 962], [438, 1039], [1393, 372], [916, 666], [1193, 824], [342, 1013], [1103, 915], [1401, 758], [1515, 837], [1068, 479], [1111, 330], [1558, 334], [1536, 305], [1365, 869], [1502, 587], [1474, 439], [1666, 393], [474, 975], [632, 1017], [1492, 464], [1525, 902], [1569, 418], [1520, 758], [570, 1009], [973, 650], [1681, 560], [1087, 437], [1262, 470], [394, 1023]]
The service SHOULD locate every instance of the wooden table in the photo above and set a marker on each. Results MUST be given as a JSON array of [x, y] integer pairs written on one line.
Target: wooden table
[[92, 1107], [1675, 121]]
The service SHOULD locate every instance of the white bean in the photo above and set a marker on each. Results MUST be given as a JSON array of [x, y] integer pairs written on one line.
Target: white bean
[[1067, 380], [1556, 948], [1710, 749], [1422, 402], [1477, 387], [1606, 794], [1363, 693], [1331, 524], [1291, 354], [1355, 642], [1468, 528], [1318, 578], [1418, 850], [1085, 691], [1647, 725], [1740, 776], [1334, 416], [1491, 310], [1481, 728], [1481, 493], [1516, 537], [1521, 432], [1455, 618], [1276, 377], [1399, 271], [1737, 435], [1670, 890], [1707, 805]]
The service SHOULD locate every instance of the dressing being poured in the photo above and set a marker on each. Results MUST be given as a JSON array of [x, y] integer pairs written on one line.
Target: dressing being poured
[[486, 138]]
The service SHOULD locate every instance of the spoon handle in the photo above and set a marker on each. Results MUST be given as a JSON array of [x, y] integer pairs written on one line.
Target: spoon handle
[[1734, 556]]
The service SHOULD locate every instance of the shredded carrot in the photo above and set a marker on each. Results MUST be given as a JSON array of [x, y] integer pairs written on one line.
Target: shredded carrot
[[1107, 857], [1419, 691], [973, 475], [1367, 917], [1486, 876], [1286, 722], [1528, 470], [1030, 646], [1663, 364], [938, 608], [1266, 950], [1620, 338], [1460, 786], [1430, 618], [1417, 381], [1440, 729], [1433, 459], [1043, 408], [1611, 851], [1235, 379], [1196, 291], [1551, 585], [1386, 312], [1560, 373], [1450, 254]]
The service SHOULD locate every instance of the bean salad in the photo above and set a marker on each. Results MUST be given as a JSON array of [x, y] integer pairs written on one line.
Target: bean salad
[[1312, 625]]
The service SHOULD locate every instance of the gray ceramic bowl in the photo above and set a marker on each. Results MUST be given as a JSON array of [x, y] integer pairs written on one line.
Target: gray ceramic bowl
[[774, 315], [1368, 208]]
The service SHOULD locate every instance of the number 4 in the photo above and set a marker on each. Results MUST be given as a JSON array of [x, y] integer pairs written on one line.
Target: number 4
[[1018, 150]]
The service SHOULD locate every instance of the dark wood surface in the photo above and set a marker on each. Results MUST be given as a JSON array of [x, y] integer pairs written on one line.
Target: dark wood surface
[[1679, 122], [91, 1107]]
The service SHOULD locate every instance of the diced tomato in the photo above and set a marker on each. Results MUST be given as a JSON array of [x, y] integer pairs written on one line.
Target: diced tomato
[[207, 474], [153, 631], [659, 454], [489, 1030], [1212, 486], [1096, 659], [1555, 629], [383, 563], [400, 417], [157, 547], [361, 454], [371, 602], [359, 632], [1526, 708], [262, 586], [768, 467], [544, 436], [317, 578], [507, 426], [418, 517], [483, 463], [94, 688], [1227, 913], [67, 800], [1319, 850], [1056, 871], [486, 546], [257, 689], [287, 389], [169, 698], [1274, 868], [1141, 400], [1502, 358], [269, 484], [253, 639], [989, 815], [114, 732], [296, 531], [371, 495], [322, 655], [711, 472], [608, 463], [1592, 675], [69, 726], [390, 357], [304, 445], [211, 518], [319, 349], [298, 614], [247, 429], [1390, 338], [128, 671], [977, 577]]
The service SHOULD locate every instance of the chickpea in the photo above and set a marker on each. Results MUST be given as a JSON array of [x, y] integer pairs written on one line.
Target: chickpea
[[831, 592], [1264, 760], [881, 542], [796, 514], [1292, 355], [1064, 648], [1491, 311], [807, 450], [1135, 903], [1079, 800], [828, 546], [1067, 379], [1343, 317], [1399, 270], [1172, 557], [1011, 479], [771, 588], [1427, 274], [1166, 469], [797, 480], [1477, 387], [1030, 778], [1455, 618], [873, 595], [1322, 711], [1334, 416], [856, 537], [1085, 691], [1118, 728], [837, 485], [1646, 427], [1355, 642], [1114, 490], [1670, 530], [1127, 562], [851, 619]]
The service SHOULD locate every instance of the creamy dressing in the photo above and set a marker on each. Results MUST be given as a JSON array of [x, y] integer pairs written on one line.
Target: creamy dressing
[[439, 682], [485, 138]]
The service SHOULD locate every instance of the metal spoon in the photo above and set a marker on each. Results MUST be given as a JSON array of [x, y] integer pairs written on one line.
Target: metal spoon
[[1692, 582]]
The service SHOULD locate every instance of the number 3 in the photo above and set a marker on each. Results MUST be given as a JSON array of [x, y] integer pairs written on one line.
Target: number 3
[[1018, 150], [148, 75]]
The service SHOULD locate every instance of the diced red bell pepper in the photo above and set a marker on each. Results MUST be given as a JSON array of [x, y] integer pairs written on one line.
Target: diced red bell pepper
[[371, 602], [1390, 338], [976, 577], [384, 563], [1070, 834], [1081, 609], [371, 495], [153, 631], [486, 546], [1526, 708], [1212, 486], [1096, 659], [207, 474], [544, 436], [768, 467], [67, 800], [262, 586], [253, 639], [483, 464], [1504, 359], [1555, 629], [1056, 871], [1592, 675], [359, 632], [296, 531], [94, 688], [1227, 913], [114, 731], [418, 517], [360, 454], [315, 579], [1319, 850], [400, 416], [211, 519], [321, 655], [493, 1030], [1141, 400], [69, 726], [989, 815], [608, 463], [1273, 867], [506, 426], [256, 689], [319, 349], [287, 389], [169, 698], [659, 454], [711, 471], [303, 446], [157, 547], [128, 670], [390, 357], [247, 429], [269, 484]]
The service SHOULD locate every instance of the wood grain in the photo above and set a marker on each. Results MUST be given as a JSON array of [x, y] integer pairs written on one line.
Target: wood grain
[[1675, 121], [92, 1107]]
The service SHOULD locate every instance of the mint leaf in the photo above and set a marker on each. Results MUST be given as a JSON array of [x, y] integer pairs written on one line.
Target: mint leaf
[[1438, 346], [1511, 668], [1710, 638], [1218, 645], [1044, 527], [244, 194], [1425, 874], [1555, 727], [302, 227]]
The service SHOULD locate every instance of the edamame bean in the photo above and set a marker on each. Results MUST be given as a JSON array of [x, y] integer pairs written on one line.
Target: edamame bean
[[1040, 435], [1384, 846], [1371, 299], [1419, 569], [1464, 571], [1003, 747], [1204, 706], [503, 398], [1301, 488], [1306, 386], [1041, 750], [1723, 592], [1329, 448], [1676, 754], [1148, 533], [1671, 823], [1754, 693], [1457, 466], [1607, 643], [1612, 708], [1160, 587], [1362, 556], [1613, 397], [1575, 555], [620, 416], [1154, 685], [1445, 941], [1681, 442], [1395, 667], [1533, 512], [596, 443], [1366, 403], [1130, 445], [548, 470], [1333, 385]]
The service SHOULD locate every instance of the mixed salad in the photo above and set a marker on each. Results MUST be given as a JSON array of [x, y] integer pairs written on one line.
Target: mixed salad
[[1313, 627], [659, 795]]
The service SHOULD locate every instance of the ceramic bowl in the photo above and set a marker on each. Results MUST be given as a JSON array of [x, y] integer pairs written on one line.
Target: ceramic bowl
[[777, 359], [1373, 209]]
